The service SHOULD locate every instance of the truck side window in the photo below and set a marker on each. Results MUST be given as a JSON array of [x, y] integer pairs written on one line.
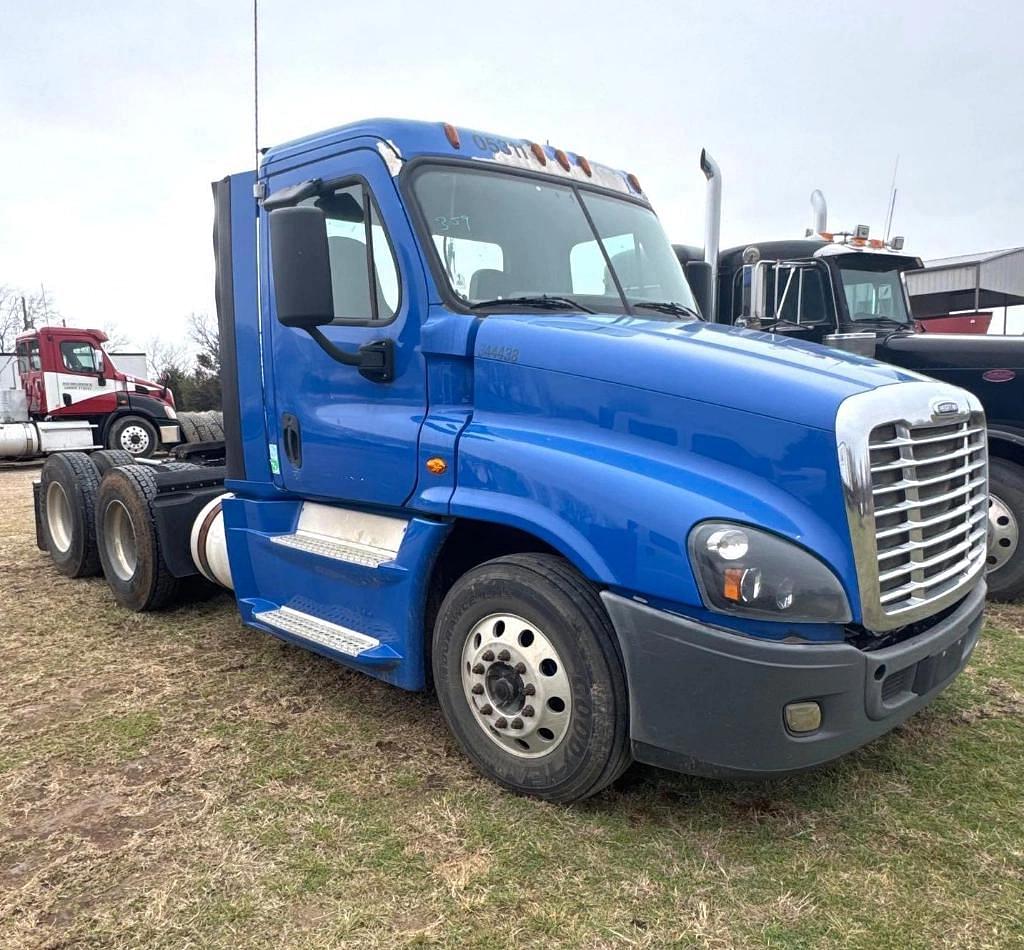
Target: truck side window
[[364, 275], [34, 361], [77, 356], [22, 351]]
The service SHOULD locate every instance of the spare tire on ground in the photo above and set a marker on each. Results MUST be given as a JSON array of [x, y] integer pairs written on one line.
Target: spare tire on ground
[[188, 423], [67, 513], [106, 459], [129, 546]]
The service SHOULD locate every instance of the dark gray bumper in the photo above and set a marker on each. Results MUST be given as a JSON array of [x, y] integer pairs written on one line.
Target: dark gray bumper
[[707, 701]]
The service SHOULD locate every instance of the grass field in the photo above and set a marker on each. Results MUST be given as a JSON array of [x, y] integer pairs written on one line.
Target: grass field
[[175, 780]]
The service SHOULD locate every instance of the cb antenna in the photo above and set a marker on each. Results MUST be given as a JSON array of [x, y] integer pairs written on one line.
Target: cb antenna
[[892, 199], [256, 78]]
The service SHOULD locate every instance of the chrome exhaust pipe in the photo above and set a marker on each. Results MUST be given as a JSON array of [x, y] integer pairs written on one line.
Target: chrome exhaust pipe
[[712, 223], [820, 212]]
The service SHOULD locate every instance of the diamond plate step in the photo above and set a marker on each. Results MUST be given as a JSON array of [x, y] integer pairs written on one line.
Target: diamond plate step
[[323, 632], [349, 551]]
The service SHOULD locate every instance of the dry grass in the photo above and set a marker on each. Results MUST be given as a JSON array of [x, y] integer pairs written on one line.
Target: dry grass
[[175, 780]]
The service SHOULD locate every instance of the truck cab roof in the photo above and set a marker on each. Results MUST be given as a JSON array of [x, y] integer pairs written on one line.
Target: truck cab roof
[[400, 141], [63, 332]]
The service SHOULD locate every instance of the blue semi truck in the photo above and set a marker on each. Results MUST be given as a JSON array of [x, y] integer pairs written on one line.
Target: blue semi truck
[[478, 437]]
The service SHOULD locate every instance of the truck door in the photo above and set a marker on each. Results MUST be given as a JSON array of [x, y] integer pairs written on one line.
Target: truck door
[[335, 434], [78, 387]]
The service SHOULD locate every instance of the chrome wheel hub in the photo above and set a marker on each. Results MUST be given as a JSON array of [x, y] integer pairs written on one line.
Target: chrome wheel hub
[[58, 516], [516, 685], [1003, 535], [134, 439], [119, 540]]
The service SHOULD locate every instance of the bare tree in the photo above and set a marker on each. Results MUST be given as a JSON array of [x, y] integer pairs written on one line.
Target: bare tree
[[10, 318], [163, 357]]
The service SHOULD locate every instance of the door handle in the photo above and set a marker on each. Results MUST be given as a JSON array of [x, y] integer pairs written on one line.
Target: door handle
[[291, 436]]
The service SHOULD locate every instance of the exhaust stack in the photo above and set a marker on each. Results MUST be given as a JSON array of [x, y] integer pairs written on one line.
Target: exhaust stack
[[712, 223], [820, 212]]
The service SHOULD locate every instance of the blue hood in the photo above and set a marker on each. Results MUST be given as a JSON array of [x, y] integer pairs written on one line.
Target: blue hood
[[746, 370]]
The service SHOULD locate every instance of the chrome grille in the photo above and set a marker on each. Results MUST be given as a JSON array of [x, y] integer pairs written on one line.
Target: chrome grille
[[931, 510], [913, 458]]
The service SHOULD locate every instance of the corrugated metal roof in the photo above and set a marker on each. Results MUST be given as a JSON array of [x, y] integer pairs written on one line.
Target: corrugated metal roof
[[971, 258], [949, 284]]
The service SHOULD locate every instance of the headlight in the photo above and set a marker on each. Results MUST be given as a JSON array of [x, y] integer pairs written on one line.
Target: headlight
[[750, 573], [171, 413]]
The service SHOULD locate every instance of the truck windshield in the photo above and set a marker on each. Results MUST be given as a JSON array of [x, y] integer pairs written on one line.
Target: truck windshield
[[873, 289], [506, 237]]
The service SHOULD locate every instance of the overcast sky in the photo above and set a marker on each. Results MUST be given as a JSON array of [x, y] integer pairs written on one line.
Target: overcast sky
[[116, 116]]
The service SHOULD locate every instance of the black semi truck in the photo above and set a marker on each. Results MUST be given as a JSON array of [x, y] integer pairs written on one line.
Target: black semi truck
[[847, 290]]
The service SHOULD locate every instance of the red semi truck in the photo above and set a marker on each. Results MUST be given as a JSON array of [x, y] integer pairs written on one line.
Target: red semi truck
[[72, 396]]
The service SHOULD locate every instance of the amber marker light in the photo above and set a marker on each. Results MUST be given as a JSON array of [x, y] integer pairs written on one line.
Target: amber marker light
[[634, 183], [452, 134], [562, 158], [585, 165], [538, 153], [437, 466]]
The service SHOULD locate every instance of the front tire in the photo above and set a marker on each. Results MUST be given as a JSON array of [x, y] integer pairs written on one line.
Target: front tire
[[1005, 559], [135, 435], [529, 678]]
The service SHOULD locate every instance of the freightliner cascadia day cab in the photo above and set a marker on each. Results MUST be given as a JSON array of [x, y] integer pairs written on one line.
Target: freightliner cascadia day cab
[[478, 438], [848, 290]]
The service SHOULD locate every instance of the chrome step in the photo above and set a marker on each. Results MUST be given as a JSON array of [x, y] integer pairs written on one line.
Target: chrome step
[[323, 632], [349, 551]]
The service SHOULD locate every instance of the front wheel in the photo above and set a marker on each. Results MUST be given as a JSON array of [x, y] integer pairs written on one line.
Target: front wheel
[[134, 435], [529, 678], [1005, 561]]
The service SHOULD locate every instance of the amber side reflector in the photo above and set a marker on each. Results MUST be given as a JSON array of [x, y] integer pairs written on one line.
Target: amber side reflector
[[538, 153], [562, 158], [634, 182], [437, 466], [452, 134], [585, 165]]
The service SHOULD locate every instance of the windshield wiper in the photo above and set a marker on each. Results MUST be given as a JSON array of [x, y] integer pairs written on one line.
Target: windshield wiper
[[881, 321], [666, 306], [545, 301]]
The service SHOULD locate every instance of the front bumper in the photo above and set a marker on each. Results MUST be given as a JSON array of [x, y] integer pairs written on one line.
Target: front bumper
[[708, 701]]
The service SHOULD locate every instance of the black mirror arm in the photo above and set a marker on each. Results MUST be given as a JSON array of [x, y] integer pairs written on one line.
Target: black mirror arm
[[376, 360]]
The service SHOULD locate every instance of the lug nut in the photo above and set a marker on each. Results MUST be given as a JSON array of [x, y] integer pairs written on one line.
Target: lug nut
[[478, 689], [500, 723], [478, 668], [504, 656], [488, 655], [527, 712], [517, 723], [530, 689], [520, 668], [486, 709]]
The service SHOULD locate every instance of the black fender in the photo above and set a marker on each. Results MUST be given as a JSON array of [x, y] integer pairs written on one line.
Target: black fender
[[139, 406], [1006, 442]]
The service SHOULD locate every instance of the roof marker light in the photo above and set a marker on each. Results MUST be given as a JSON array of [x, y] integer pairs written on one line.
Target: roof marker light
[[634, 183], [538, 153], [562, 158], [452, 134], [585, 165], [826, 235], [876, 243]]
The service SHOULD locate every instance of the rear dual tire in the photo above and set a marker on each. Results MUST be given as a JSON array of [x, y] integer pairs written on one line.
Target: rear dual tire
[[69, 483], [529, 678], [129, 544]]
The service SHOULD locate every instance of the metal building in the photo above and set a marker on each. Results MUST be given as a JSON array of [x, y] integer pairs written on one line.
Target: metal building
[[972, 282]]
